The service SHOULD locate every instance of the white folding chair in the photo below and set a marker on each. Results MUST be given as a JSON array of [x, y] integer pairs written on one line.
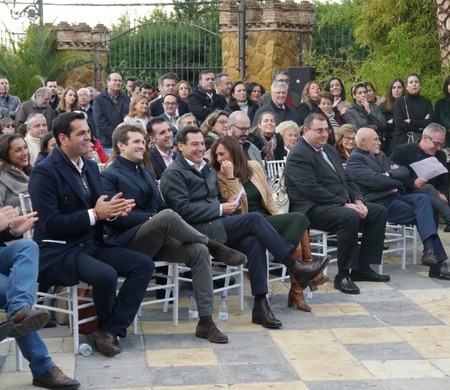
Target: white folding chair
[[236, 271], [172, 287], [322, 244], [273, 167], [19, 359]]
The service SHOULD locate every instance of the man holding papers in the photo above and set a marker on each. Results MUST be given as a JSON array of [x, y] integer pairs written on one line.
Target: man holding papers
[[428, 152], [383, 182]]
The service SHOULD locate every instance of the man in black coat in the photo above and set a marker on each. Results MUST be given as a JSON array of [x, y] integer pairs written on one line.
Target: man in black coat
[[429, 145], [319, 187], [204, 99]]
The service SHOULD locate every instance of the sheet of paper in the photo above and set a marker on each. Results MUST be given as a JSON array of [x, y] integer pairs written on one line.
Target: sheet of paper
[[428, 168], [238, 199]]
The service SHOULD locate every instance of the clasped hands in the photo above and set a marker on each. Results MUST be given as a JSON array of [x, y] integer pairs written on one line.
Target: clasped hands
[[116, 207], [359, 207], [19, 224]]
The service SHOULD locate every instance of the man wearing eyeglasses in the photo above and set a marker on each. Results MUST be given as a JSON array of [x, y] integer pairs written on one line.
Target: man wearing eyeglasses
[[319, 187], [292, 99], [431, 143], [170, 104], [277, 105], [384, 182], [239, 124]]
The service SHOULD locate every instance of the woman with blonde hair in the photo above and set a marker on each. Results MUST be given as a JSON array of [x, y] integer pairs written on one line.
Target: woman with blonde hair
[[139, 111], [183, 90], [235, 172], [214, 126], [346, 141], [309, 100], [290, 133]]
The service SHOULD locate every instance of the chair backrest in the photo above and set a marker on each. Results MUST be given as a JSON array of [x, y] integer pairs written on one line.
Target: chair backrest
[[273, 168]]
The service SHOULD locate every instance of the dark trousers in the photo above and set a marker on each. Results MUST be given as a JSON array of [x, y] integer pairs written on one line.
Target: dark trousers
[[251, 234], [100, 265], [346, 224], [418, 209]]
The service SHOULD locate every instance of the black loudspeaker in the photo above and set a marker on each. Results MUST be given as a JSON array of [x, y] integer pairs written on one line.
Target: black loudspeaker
[[299, 76]]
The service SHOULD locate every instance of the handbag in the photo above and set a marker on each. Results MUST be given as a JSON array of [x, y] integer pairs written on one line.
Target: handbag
[[280, 195]]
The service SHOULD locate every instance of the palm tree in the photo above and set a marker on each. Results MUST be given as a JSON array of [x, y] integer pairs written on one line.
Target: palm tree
[[28, 62]]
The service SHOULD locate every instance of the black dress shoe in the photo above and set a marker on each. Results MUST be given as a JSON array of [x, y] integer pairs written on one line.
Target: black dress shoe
[[105, 342], [447, 228], [345, 285], [441, 273], [262, 315], [429, 258], [210, 332], [54, 378], [368, 276]]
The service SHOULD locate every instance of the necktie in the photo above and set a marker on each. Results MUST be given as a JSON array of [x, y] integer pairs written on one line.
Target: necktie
[[325, 157]]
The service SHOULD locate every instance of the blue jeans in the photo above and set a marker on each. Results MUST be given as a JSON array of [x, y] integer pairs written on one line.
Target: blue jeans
[[18, 275]]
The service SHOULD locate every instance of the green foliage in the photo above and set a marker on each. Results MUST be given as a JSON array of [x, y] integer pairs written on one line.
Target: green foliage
[[162, 43], [34, 58]]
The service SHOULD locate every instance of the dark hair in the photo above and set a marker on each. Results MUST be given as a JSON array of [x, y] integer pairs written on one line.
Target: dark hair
[[252, 85], [62, 124], [146, 86], [325, 95], [389, 104], [242, 169], [44, 142], [169, 94], [328, 84], [203, 72], [411, 75], [357, 86], [131, 78], [231, 99], [167, 76], [445, 89], [120, 134], [49, 80], [314, 115], [155, 121], [62, 103], [183, 133], [5, 145], [135, 84]]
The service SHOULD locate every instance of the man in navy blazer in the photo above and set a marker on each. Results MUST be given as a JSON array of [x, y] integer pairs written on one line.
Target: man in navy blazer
[[66, 191], [158, 232], [319, 187]]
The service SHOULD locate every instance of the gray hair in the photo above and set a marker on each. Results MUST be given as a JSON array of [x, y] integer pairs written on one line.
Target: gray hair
[[35, 115], [180, 120], [278, 84], [219, 77], [85, 90], [285, 126], [279, 73], [42, 91], [434, 128]]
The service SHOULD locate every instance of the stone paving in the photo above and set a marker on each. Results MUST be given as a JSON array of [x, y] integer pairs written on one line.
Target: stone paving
[[392, 336]]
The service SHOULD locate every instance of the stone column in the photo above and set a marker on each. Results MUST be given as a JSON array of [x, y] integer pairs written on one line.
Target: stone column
[[82, 37], [273, 35]]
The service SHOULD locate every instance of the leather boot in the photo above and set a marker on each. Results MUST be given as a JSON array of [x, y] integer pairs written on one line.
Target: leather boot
[[305, 272], [306, 247], [295, 297], [262, 315], [318, 281], [297, 254]]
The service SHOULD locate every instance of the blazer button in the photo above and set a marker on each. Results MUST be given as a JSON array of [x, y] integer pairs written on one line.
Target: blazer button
[[81, 245]]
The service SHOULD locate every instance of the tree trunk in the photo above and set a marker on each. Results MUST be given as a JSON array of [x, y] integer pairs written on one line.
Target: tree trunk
[[443, 29]]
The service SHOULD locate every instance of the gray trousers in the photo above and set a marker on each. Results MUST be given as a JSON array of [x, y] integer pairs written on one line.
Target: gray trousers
[[167, 237], [441, 207]]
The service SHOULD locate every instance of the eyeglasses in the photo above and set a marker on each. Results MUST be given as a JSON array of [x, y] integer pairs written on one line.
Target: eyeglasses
[[321, 131], [280, 93], [9, 125], [222, 122], [349, 139], [243, 129], [436, 144], [170, 103]]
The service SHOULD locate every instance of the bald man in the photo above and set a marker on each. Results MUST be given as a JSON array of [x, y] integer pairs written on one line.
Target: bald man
[[383, 182]]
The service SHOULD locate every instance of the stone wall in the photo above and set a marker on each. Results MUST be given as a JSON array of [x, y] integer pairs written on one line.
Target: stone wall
[[83, 38], [273, 30]]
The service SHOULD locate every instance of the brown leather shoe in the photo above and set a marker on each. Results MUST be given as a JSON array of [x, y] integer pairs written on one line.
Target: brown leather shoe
[[54, 378], [105, 342], [210, 332], [429, 258], [27, 320], [318, 281], [262, 315], [223, 253], [306, 272]]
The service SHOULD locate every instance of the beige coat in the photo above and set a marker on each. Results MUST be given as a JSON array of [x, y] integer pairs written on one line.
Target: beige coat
[[228, 188]]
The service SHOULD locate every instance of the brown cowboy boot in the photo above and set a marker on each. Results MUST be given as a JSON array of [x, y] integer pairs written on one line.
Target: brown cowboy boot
[[295, 297], [305, 245]]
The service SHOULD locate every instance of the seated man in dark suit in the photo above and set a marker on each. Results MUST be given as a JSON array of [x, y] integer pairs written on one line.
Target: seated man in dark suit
[[431, 143], [382, 181], [189, 187], [161, 136], [320, 188], [162, 235], [66, 191], [18, 274]]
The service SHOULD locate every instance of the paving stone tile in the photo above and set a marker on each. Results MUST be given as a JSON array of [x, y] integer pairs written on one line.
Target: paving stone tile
[[417, 384], [384, 351], [407, 369], [365, 335], [176, 341], [113, 378], [180, 357], [186, 375], [256, 373], [350, 322], [258, 354], [347, 385]]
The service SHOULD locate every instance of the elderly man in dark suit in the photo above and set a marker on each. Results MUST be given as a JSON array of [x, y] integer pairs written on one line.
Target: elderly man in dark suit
[[66, 191], [189, 187], [429, 145], [158, 232], [319, 187]]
